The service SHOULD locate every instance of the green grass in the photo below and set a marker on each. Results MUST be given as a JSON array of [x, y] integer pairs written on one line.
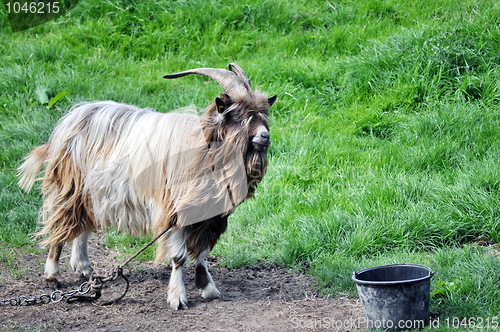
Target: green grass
[[386, 133]]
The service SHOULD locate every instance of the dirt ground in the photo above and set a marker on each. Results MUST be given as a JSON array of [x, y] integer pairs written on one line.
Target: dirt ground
[[254, 298]]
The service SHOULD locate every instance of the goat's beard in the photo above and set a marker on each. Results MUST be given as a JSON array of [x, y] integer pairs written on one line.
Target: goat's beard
[[256, 167], [233, 141]]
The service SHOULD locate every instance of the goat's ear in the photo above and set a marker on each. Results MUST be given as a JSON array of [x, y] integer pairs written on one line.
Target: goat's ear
[[272, 100], [220, 105]]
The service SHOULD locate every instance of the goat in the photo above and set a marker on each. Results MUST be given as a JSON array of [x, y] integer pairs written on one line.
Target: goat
[[143, 172]]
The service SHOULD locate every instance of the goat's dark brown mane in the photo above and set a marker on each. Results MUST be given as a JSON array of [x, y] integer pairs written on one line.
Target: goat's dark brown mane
[[237, 126]]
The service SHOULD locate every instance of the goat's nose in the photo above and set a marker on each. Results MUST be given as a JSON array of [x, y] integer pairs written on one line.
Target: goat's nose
[[265, 136]]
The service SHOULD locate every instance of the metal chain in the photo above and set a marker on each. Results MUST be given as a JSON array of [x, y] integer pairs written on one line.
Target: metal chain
[[94, 284], [54, 297]]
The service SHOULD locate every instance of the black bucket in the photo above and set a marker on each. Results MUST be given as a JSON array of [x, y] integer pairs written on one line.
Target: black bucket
[[395, 297]]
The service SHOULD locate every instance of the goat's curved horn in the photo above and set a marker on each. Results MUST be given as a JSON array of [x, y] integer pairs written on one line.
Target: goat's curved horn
[[241, 74], [229, 80]]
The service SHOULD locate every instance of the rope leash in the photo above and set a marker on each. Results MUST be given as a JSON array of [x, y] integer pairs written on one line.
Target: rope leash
[[81, 294]]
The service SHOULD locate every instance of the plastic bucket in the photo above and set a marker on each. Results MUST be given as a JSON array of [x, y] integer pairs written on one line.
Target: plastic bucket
[[395, 297]]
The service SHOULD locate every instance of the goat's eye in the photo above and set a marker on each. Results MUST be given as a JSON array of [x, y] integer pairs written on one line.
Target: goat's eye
[[235, 117]]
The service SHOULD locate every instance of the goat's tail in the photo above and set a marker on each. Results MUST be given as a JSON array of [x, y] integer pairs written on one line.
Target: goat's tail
[[32, 165]]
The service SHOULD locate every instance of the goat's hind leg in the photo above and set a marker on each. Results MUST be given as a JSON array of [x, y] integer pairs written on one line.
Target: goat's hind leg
[[203, 279], [52, 269], [80, 261]]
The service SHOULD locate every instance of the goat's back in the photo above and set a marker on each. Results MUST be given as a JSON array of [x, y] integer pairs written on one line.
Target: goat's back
[[121, 152]]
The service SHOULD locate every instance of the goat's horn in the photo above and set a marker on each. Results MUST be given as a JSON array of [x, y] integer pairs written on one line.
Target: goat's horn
[[241, 74], [229, 80]]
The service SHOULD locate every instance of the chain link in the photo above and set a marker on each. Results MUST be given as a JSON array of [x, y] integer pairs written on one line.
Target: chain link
[[54, 297]]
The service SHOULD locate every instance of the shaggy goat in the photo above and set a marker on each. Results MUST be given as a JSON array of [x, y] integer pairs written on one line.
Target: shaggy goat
[[143, 171]]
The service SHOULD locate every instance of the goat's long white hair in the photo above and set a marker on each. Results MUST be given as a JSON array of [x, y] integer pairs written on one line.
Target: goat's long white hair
[[116, 164]]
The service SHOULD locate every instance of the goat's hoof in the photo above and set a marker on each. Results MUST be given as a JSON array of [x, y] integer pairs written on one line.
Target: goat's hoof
[[178, 303], [53, 283], [84, 270], [210, 292], [86, 273]]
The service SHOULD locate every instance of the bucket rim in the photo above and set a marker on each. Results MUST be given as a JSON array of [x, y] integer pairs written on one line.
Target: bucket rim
[[395, 282]]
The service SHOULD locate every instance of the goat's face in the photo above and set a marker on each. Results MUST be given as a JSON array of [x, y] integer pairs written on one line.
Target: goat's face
[[244, 121]]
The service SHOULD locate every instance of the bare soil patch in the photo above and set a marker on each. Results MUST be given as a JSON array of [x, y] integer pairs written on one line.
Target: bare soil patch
[[254, 298]]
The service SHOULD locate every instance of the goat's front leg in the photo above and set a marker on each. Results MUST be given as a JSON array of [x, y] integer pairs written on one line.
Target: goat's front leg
[[203, 279], [178, 252]]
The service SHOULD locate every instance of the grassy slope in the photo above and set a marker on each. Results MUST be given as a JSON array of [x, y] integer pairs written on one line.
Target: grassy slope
[[385, 137]]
